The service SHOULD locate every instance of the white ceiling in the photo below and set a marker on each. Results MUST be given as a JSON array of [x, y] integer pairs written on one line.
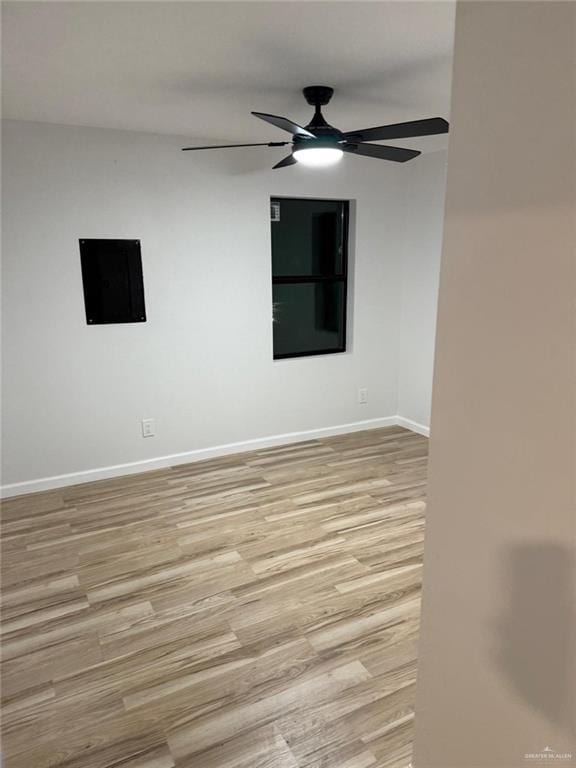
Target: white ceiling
[[197, 69]]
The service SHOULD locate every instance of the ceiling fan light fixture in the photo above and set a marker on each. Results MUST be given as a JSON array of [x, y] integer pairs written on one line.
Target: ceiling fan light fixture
[[318, 157]]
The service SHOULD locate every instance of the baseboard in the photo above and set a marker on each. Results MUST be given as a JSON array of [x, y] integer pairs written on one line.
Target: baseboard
[[413, 426], [163, 462]]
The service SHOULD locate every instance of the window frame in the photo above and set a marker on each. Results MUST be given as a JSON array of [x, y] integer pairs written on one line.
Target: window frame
[[315, 279]]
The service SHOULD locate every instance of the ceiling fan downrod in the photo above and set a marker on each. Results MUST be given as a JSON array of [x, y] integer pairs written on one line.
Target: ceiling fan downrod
[[318, 96]]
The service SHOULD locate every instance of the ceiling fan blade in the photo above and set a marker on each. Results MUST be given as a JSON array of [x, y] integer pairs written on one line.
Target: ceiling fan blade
[[428, 127], [284, 124], [381, 152], [227, 146], [288, 160]]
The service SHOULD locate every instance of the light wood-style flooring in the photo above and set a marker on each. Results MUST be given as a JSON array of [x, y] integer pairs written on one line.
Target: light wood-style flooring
[[253, 611]]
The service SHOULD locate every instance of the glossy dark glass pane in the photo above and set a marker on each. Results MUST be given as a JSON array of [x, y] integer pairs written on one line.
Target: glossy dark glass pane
[[308, 318], [112, 281], [308, 237]]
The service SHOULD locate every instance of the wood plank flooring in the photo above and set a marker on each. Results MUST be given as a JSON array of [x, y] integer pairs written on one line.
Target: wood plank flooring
[[254, 611]]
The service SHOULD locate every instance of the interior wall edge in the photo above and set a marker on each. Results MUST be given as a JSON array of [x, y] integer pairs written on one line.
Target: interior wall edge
[[413, 426], [201, 454]]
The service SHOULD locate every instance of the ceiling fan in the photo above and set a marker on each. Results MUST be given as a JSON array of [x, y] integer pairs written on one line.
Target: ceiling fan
[[321, 144]]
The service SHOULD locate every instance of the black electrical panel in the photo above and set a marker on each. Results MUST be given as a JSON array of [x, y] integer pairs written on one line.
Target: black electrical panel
[[113, 282]]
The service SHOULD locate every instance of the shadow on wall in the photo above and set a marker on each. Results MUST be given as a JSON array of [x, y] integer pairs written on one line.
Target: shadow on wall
[[536, 631]]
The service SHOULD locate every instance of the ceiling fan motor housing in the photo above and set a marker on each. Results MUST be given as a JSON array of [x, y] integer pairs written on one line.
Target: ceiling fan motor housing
[[328, 139]]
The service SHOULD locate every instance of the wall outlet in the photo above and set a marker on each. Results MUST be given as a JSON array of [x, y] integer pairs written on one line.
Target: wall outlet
[[148, 428], [362, 395]]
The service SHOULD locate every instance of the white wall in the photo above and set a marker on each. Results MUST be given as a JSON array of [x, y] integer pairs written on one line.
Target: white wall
[[202, 365], [497, 658], [424, 195]]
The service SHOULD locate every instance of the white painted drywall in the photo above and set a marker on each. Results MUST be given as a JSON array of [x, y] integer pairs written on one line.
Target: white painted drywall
[[202, 365], [424, 192], [497, 658]]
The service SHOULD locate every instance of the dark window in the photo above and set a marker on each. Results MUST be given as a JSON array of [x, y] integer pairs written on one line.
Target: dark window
[[112, 280], [309, 273]]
